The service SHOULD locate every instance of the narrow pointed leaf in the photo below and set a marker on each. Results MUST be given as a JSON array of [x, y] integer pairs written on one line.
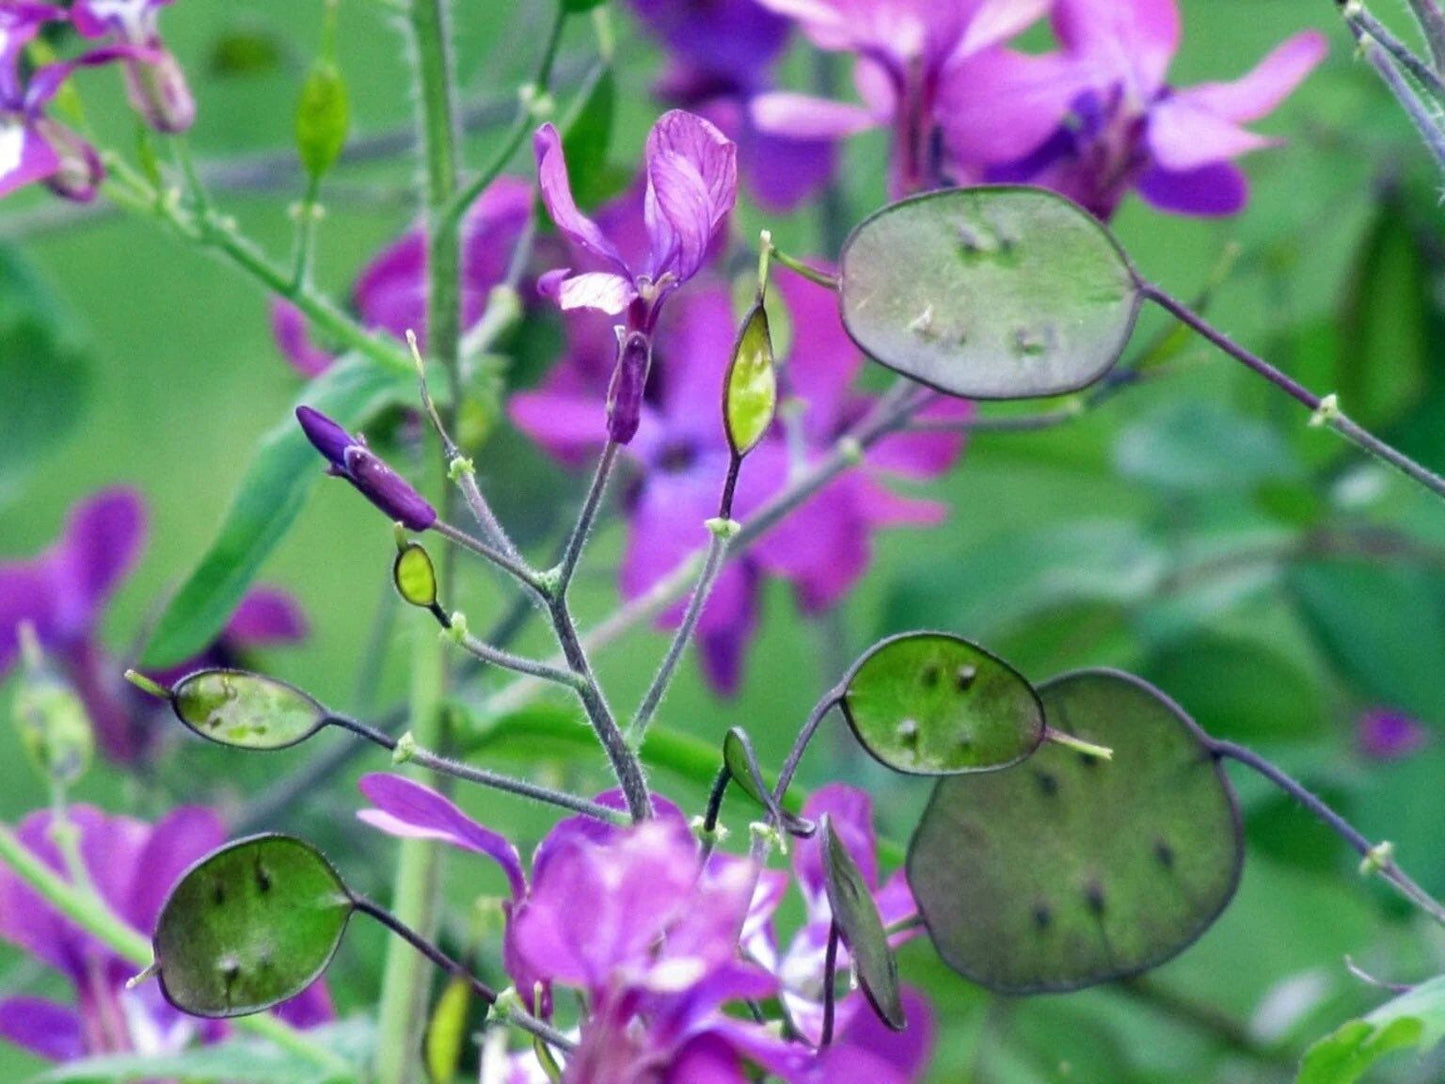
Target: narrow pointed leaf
[[1416, 1018], [1069, 871], [991, 293], [237, 707], [858, 921], [249, 926], [928, 703], [268, 501]]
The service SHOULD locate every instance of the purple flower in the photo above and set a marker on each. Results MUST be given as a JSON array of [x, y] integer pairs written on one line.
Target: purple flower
[[132, 865], [63, 594], [908, 51], [351, 459], [154, 82], [722, 55], [691, 178], [1382, 734], [33, 148], [655, 949], [887, 1057], [1097, 118], [681, 456], [390, 294]]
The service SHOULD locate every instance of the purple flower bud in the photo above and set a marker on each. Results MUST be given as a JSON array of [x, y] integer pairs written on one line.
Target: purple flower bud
[[158, 91], [629, 379], [359, 465], [78, 171]]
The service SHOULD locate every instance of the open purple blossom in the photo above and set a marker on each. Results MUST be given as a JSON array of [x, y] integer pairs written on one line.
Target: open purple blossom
[[351, 459], [1097, 118], [655, 949], [909, 52], [681, 456], [34, 148], [63, 594], [722, 55], [391, 291], [691, 185], [132, 865], [154, 82], [1382, 734]]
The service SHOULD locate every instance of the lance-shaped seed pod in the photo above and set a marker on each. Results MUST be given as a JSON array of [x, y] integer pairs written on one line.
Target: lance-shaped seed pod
[[415, 578], [629, 381], [351, 459], [750, 390]]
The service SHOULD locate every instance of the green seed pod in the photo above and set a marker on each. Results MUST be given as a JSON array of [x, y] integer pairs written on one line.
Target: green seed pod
[[750, 391], [415, 576], [51, 718], [322, 119]]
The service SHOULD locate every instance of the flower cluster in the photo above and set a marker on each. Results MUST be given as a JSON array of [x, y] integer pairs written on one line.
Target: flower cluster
[[670, 941], [36, 148]]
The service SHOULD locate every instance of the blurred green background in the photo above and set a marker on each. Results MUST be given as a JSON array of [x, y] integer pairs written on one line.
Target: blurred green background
[[1189, 530]]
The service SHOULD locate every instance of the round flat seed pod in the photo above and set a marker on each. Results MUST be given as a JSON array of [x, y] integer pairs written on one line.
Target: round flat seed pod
[[236, 707], [249, 926], [1069, 870], [996, 292], [928, 703]]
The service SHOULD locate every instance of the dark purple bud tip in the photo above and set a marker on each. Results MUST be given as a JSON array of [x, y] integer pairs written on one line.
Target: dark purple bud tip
[[388, 490], [629, 380], [329, 438]]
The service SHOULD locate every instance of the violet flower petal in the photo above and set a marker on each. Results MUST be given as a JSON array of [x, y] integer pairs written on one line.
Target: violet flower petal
[[266, 616], [288, 328], [45, 1028], [1273, 79], [1217, 189], [557, 196], [692, 183], [410, 810]]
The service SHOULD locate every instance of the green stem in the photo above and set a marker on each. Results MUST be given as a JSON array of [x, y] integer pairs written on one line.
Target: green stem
[[415, 890], [92, 915]]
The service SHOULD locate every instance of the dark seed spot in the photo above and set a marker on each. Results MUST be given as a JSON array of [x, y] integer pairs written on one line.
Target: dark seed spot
[[218, 894], [963, 678], [1048, 784], [930, 676], [1043, 917], [1165, 854], [263, 879], [1088, 760], [1094, 898]]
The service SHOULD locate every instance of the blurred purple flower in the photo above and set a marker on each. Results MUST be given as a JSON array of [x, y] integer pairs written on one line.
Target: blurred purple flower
[[351, 459], [722, 58], [154, 82], [681, 457], [132, 866], [908, 52], [864, 1049], [63, 594], [655, 947], [1097, 118], [1382, 734], [390, 293], [691, 177], [34, 148]]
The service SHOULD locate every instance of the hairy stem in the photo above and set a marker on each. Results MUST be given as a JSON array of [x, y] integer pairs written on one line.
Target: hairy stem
[[1375, 855], [1327, 412], [582, 530]]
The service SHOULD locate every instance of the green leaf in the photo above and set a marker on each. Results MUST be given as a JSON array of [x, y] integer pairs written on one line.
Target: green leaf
[[1201, 446], [280, 476], [587, 138], [858, 921], [44, 371], [1416, 1018], [928, 703], [246, 51], [1069, 871], [249, 926], [1381, 626], [750, 389], [577, 7], [991, 293], [239, 708]]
